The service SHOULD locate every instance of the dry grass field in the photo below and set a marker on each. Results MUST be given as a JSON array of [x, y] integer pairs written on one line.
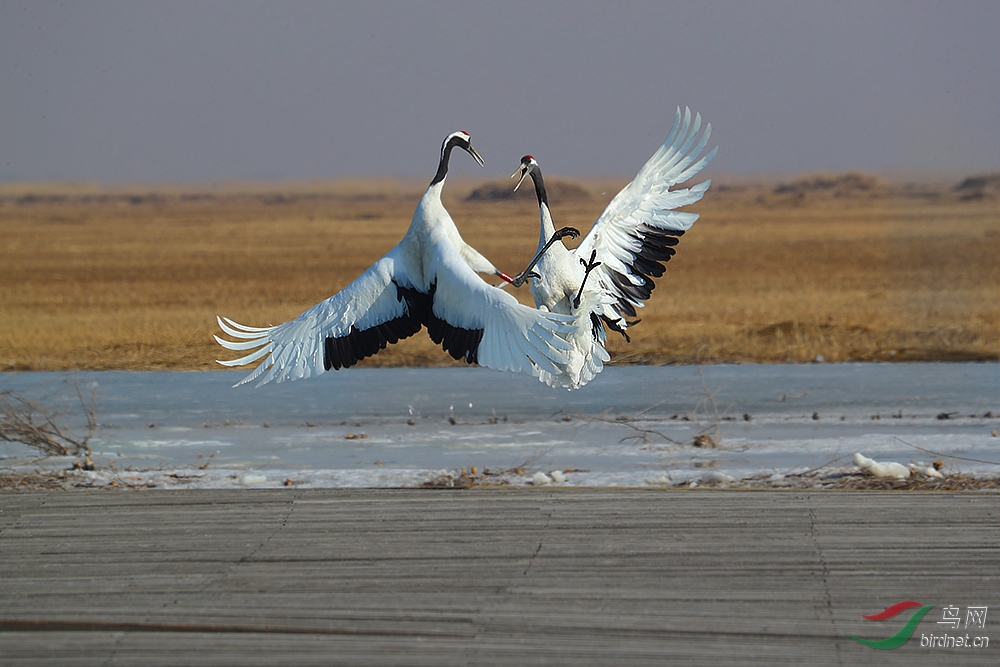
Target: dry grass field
[[846, 267]]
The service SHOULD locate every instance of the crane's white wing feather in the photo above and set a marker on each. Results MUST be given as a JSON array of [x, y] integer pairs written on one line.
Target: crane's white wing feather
[[588, 339], [357, 322], [483, 324], [640, 227], [465, 315]]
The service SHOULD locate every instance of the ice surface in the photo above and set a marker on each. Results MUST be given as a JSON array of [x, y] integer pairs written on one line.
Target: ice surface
[[632, 425]]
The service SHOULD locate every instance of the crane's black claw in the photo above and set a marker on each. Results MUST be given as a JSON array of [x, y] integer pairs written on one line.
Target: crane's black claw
[[591, 264], [571, 232], [523, 277], [588, 267]]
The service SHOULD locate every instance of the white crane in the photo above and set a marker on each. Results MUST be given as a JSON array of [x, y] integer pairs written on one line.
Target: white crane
[[611, 273], [428, 279]]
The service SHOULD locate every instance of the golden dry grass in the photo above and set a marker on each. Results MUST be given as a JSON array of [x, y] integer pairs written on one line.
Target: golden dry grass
[[133, 279]]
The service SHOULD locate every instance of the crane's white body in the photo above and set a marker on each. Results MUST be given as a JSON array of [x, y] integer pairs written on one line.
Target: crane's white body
[[560, 275], [637, 230], [428, 279]]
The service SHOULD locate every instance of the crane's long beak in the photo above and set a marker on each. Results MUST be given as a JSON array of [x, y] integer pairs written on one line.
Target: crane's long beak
[[523, 171], [475, 155]]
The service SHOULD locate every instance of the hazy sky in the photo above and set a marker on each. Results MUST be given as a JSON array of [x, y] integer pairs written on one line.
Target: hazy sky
[[189, 91]]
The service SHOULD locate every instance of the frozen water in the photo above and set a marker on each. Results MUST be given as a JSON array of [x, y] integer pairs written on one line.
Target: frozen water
[[631, 426]]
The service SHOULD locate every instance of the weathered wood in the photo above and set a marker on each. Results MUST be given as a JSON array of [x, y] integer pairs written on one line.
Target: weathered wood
[[504, 576]]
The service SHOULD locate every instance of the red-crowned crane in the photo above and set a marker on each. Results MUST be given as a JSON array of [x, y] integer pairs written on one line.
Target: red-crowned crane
[[611, 273], [428, 279]]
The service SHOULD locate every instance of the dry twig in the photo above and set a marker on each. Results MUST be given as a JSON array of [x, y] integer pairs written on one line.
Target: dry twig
[[28, 422], [944, 456]]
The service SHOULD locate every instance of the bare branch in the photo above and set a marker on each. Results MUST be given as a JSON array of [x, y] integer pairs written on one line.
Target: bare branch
[[27, 422], [945, 456]]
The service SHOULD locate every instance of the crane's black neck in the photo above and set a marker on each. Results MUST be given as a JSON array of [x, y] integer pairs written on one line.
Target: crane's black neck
[[442, 171], [536, 178]]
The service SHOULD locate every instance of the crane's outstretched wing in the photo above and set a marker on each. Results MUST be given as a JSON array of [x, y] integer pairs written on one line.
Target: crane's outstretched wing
[[355, 323], [468, 318], [482, 324], [640, 227]]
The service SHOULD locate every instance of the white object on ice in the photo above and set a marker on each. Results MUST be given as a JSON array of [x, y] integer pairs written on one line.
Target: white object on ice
[[925, 470], [250, 479], [541, 479], [886, 470], [558, 476], [716, 477]]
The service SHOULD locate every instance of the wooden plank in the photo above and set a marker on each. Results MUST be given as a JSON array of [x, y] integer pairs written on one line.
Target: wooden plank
[[498, 576]]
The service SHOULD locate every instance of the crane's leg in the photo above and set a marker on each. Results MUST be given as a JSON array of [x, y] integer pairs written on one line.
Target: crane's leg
[[588, 267], [559, 234]]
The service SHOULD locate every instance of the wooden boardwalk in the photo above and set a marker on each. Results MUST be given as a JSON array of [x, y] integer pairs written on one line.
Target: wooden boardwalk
[[482, 577]]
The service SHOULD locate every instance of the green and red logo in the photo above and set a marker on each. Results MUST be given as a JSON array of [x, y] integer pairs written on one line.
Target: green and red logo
[[951, 617], [905, 633]]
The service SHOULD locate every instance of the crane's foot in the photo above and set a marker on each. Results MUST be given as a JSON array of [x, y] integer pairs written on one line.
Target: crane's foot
[[523, 277], [560, 234], [588, 266]]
